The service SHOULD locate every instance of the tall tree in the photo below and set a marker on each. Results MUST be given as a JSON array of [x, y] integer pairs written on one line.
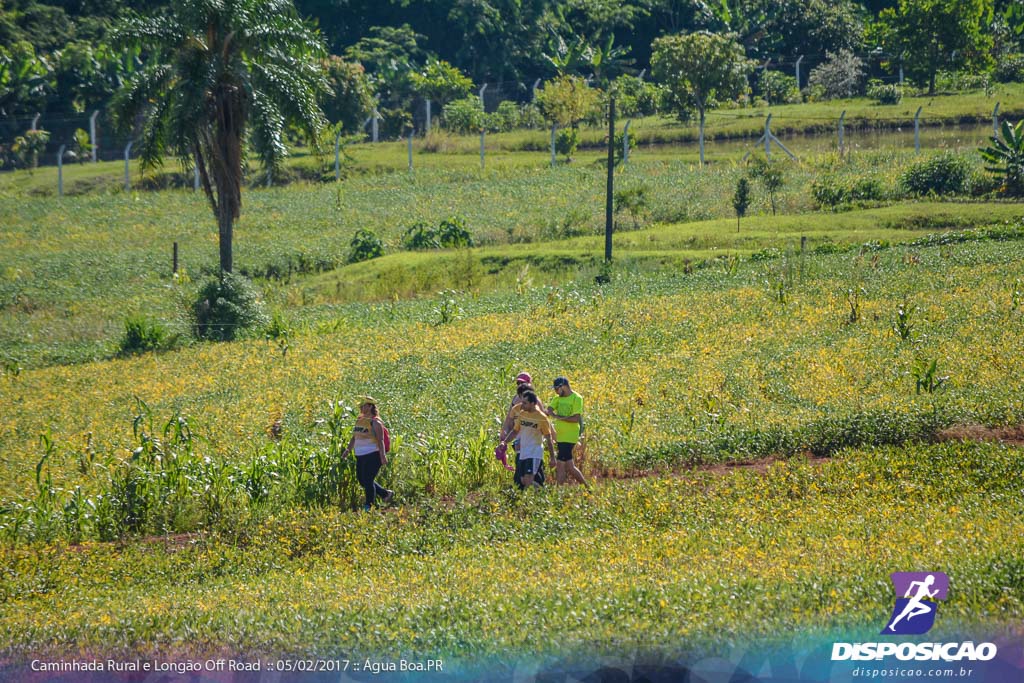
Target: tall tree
[[699, 69], [936, 34], [222, 74]]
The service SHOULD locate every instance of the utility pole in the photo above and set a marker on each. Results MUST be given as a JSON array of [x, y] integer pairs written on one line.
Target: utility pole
[[608, 202]]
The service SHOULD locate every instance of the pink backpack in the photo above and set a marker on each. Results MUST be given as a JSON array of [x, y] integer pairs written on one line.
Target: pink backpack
[[385, 436]]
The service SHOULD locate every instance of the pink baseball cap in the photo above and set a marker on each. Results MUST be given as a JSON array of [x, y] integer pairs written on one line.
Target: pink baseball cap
[[524, 377]]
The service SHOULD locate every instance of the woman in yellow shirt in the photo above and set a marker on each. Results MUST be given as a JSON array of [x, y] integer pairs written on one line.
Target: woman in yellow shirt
[[367, 443]]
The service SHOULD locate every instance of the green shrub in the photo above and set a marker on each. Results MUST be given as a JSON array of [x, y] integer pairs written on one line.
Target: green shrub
[[636, 97], [464, 116], [141, 335], [420, 236], [778, 88], [530, 116], [962, 81], [566, 142], [979, 183], [1010, 69], [885, 93], [634, 201], [364, 246], [452, 233], [830, 191], [506, 117], [940, 175], [226, 305]]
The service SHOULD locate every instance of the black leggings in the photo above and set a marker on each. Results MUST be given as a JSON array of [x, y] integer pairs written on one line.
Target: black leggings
[[367, 467]]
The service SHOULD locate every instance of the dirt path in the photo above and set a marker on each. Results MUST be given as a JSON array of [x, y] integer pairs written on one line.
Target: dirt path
[[1011, 436]]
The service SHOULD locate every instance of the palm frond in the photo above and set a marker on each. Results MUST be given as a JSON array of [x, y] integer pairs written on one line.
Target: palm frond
[[141, 89]]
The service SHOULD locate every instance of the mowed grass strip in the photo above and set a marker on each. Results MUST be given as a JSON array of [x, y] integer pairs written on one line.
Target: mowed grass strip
[[671, 564], [678, 246]]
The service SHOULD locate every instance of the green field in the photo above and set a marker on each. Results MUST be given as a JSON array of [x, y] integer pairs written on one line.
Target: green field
[[143, 496], [79, 266], [682, 562]]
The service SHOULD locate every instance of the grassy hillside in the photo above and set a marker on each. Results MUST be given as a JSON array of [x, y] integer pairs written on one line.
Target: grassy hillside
[[739, 359], [79, 266]]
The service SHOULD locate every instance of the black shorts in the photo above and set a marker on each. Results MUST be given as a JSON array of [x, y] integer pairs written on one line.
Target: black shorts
[[565, 451], [529, 465], [521, 466]]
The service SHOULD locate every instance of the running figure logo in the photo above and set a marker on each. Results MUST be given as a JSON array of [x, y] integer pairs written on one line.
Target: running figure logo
[[914, 613]]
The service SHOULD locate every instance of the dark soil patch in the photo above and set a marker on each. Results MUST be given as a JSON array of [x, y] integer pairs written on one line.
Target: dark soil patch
[[759, 465], [1011, 436]]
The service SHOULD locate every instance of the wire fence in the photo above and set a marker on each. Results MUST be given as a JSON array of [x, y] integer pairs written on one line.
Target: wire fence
[[109, 145]]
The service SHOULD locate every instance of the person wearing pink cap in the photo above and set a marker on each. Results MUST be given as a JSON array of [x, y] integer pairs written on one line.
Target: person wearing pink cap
[[523, 384]]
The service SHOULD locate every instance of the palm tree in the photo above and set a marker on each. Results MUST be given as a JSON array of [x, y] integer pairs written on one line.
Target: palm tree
[[221, 76]]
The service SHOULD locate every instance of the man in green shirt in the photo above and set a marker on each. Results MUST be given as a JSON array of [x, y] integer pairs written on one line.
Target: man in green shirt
[[566, 410]]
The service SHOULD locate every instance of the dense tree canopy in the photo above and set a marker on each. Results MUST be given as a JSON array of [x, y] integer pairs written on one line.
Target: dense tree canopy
[[931, 34], [71, 68]]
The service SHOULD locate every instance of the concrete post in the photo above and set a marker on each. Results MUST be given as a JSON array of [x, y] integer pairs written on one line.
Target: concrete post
[[642, 72], [768, 138], [842, 145], [482, 89], [195, 178], [337, 156], [764, 72], [625, 142], [995, 120], [536, 84], [127, 172], [92, 134], [60, 170], [917, 131], [798, 60], [483, 132], [554, 127], [376, 125], [428, 117], [35, 120]]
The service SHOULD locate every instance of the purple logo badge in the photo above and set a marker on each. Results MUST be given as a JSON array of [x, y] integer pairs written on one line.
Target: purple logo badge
[[917, 596]]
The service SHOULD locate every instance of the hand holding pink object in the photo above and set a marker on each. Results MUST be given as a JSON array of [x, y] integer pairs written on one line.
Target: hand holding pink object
[[501, 454]]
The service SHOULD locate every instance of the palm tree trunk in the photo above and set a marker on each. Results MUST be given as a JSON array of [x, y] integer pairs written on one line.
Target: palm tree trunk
[[225, 225]]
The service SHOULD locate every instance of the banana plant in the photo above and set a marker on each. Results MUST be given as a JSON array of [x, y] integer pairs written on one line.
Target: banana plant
[[566, 57], [607, 61], [1006, 156]]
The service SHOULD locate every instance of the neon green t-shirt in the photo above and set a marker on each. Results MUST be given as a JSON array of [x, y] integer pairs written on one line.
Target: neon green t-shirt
[[567, 406]]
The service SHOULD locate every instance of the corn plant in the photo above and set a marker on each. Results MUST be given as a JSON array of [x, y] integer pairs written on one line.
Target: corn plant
[[926, 376], [903, 326], [853, 300]]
